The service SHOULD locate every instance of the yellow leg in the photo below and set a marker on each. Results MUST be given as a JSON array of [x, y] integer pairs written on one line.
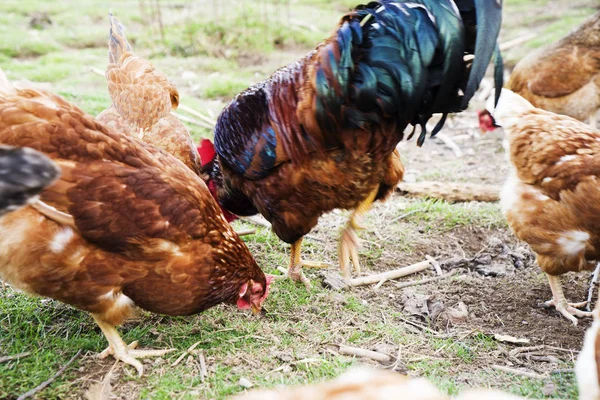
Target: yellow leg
[[568, 310], [296, 264], [349, 241], [123, 352]]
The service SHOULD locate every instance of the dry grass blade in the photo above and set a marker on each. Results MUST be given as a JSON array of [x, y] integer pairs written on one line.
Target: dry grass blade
[[103, 389], [46, 383], [14, 357]]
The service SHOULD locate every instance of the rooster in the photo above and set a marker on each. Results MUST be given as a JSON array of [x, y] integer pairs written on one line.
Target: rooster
[[125, 224], [552, 198], [563, 77], [143, 99], [321, 133]]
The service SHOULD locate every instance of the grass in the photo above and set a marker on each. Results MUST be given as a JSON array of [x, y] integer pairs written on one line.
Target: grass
[[211, 54]]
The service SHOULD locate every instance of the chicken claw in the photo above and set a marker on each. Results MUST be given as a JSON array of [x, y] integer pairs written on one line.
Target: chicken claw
[[568, 310], [349, 244], [125, 352]]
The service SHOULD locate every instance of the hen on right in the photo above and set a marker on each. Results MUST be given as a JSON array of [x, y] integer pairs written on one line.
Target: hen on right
[[551, 198]]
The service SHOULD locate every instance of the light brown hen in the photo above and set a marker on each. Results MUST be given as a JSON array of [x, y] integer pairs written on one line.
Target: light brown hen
[[143, 99], [552, 196]]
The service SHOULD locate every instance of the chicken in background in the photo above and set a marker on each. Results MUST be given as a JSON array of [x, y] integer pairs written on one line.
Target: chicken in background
[[563, 77], [551, 198], [24, 173], [362, 383], [143, 99], [322, 132], [587, 367], [125, 225]]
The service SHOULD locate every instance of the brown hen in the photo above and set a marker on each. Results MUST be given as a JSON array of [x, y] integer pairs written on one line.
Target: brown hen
[[563, 77], [125, 224], [143, 99], [552, 196]]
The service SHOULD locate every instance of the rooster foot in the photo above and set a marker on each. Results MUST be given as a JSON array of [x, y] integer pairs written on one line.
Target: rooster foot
[[349, 244], [569, 310], [295, 273]]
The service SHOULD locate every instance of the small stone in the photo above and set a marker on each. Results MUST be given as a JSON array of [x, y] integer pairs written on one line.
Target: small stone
[[245, 383]]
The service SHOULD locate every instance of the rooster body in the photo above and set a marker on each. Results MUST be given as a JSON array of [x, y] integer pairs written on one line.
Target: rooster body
[[143, 99], [552, 198], [126, 224], [321, 133]]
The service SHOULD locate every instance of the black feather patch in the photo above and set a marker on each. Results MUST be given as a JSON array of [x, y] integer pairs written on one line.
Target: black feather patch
[[24, 173]]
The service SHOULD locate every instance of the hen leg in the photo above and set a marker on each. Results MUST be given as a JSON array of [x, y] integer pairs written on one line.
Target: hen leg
[[296, 264], [349, 241], [568, 310], [123, 352]]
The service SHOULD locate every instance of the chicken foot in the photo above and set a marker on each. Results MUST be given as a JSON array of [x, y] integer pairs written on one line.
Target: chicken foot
[[568, 310], [349, 241], [296, 264], [122, 351]]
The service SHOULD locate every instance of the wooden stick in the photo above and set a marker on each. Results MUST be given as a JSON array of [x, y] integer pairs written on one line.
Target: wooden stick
[[389, 275], [517, 41], [197, 114], [97, 71], [450, 143], [14, 357], [451, 191], [44, 384], [244, 232], [519, 372], [203, 370], [185, 353], [257, 220], [403, 285], [593, 283], [358, 352], [192, 120]]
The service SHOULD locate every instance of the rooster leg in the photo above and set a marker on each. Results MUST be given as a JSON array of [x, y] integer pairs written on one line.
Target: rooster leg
[[296, 264], [123, 352], [568, 310], [349, 241]]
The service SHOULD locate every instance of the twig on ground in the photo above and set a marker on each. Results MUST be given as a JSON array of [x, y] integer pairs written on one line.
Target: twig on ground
[[358, 352], [44, 384], [450, 191], [389, 275], [14, 357], [402, 216], [422, 327], [435, 264], [450, 144], [519, 372], [203, 370], [509, 44], [244, 232], [97, 71], [257, 220], [192, 120], [593, 283], [185, 353], [403, 285], [196, 114]]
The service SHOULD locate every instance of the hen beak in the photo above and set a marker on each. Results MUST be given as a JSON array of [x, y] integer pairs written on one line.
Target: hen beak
[[255, 309]]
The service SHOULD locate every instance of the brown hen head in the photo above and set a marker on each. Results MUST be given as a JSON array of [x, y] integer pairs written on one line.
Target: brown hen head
[[132, 78]]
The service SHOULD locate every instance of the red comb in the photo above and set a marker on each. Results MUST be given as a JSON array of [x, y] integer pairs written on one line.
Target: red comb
[[206, 151]]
